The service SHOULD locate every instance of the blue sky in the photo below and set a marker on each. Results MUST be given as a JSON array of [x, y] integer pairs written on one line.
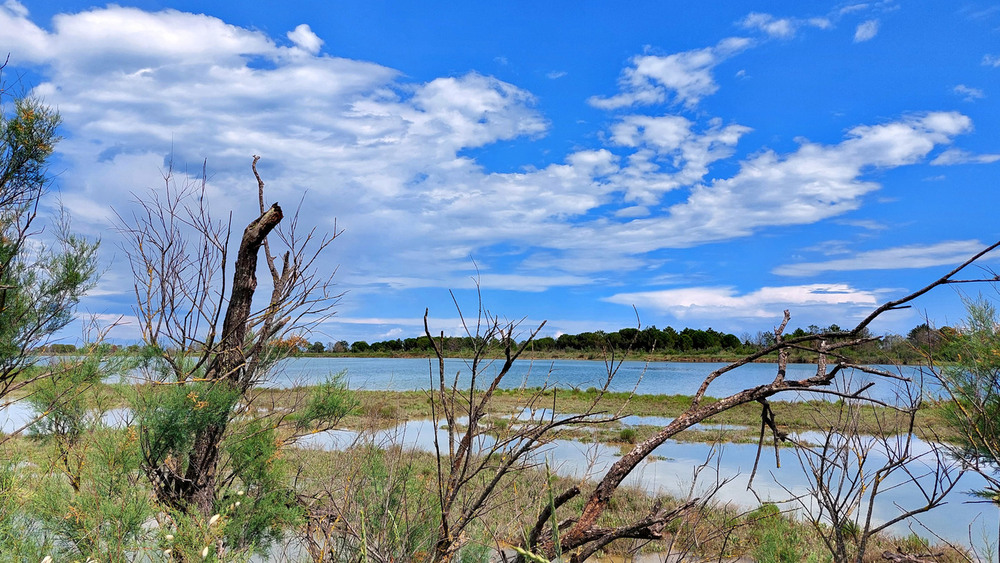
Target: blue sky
[[710, 168]]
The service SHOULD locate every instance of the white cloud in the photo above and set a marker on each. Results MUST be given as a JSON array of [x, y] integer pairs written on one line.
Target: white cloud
[[669, 154], [305, 39], [405, 321], [902, 257], [726, 302], [968, 93], [24, 41], [866, 31], [864, 224], [991, 60], [959, 156], [16, 8], [813, 183], [781, 28], [555, 74], [634, 211], [388, 157], [686, 77], [523, 282], [852, 8], [392, 333]]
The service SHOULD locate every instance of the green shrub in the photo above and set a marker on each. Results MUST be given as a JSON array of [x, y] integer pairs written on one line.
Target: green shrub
[[628, 435], [328, 402]]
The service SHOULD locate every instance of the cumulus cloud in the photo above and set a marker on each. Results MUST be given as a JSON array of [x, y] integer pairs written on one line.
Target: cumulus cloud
[[669, 152], [727, 302], [991, 60], [389, 157], [682, 77], [811, 184], [304, 38], [902, 257], [866, 31]]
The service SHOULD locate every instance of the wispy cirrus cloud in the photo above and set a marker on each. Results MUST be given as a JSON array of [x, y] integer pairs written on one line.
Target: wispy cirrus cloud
[[959, 156], [766, 302], [968, 93], [781, 28], [902, 257]]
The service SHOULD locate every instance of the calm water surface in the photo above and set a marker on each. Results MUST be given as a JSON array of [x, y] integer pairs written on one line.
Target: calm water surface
[[669, 470], [653, 378]]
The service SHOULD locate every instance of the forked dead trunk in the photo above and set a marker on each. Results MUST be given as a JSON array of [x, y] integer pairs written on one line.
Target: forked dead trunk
[[228, 367]]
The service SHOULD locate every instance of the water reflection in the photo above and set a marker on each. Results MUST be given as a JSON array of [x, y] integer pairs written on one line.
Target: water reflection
[[20, 416], [672, 469], [15, 416], [649, 378]]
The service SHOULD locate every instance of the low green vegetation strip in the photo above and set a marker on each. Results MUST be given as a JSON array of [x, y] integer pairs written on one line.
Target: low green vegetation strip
[[389, 493], [741, 424]]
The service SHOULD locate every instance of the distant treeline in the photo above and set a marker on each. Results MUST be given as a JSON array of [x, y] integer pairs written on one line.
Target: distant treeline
[[944, 344], [646, 340], [919, 341]]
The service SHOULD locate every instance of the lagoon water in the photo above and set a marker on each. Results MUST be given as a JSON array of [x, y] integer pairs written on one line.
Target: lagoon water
[[670, 469], [647, 378]]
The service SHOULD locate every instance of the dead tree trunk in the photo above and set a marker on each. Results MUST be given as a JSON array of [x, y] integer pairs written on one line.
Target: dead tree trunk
[[197, 487], [229, 364], [212, 344]]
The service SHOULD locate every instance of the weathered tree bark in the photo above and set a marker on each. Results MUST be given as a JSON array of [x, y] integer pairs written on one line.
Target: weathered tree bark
[[228, 367], [585, 529], [230, 361]]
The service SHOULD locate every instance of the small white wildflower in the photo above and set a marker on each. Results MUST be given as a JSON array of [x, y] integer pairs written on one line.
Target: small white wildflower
[[204, 552], [239, 493], [238, 503], [167, 552], [214, 519], [48, 559], [170, 537]]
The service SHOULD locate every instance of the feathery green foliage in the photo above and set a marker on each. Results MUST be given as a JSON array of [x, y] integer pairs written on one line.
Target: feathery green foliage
[[172, 415], [973, 386], [41, 282], [328, 402]]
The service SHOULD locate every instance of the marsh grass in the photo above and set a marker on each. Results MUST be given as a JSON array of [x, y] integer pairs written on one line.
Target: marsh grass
[[378, 497], [388, 408], [740, 424], [396, 490]]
